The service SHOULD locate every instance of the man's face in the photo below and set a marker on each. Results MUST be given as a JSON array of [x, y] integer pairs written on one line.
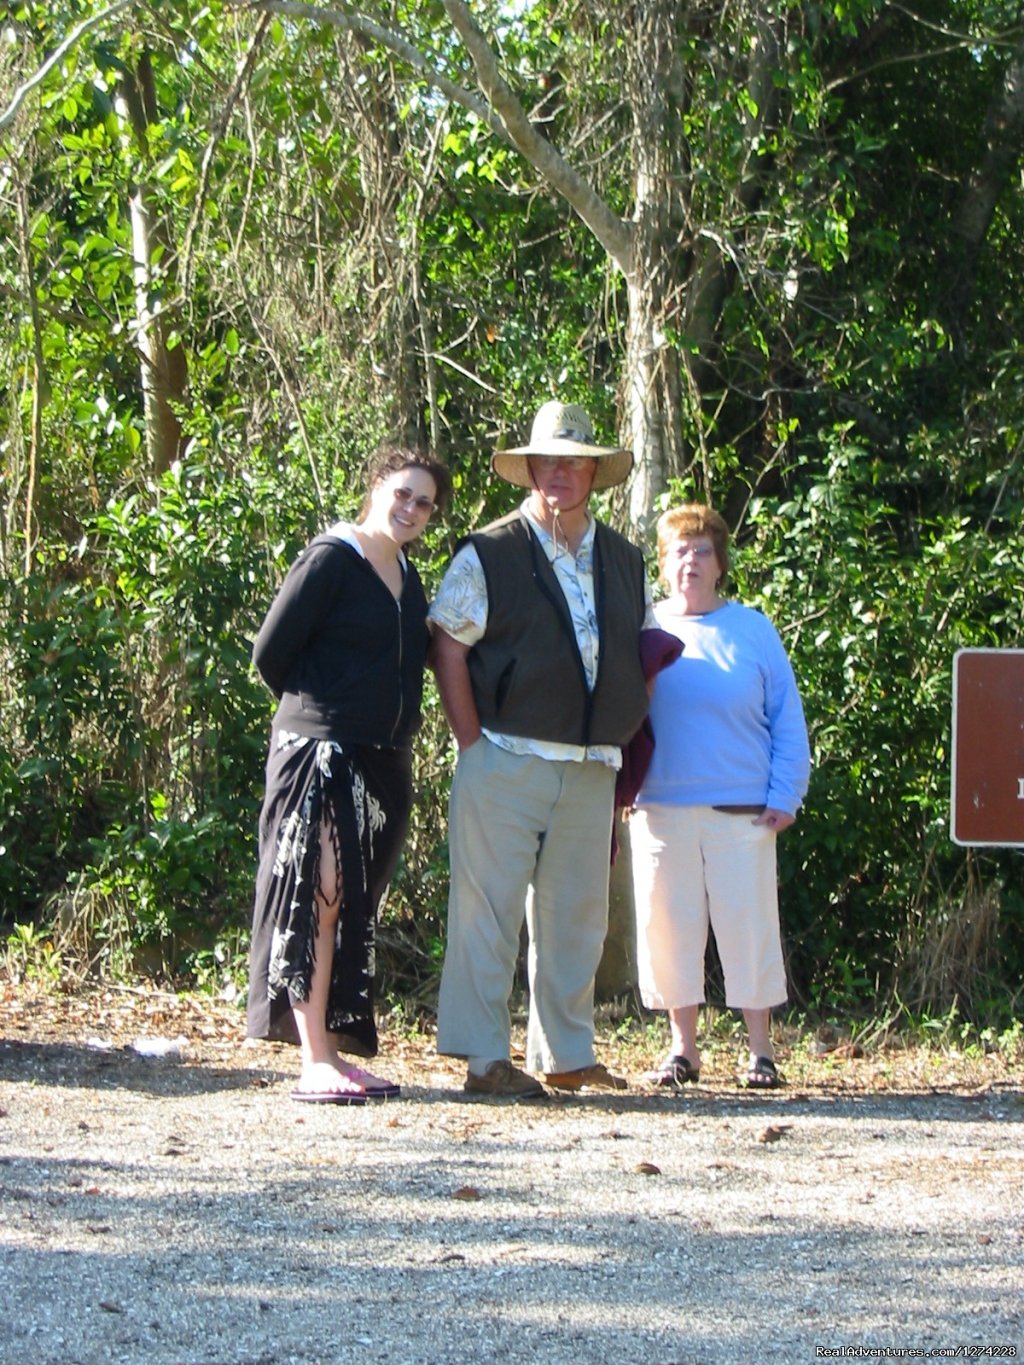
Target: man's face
[[563, 481]]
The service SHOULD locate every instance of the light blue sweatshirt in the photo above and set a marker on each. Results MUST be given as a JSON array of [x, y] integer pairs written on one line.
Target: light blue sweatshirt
[[728, 723]]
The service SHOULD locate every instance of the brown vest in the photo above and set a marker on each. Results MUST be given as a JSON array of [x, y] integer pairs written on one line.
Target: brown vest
[[527, 674]]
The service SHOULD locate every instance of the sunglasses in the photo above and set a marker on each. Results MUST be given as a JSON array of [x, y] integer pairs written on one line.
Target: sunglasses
[[409, 499]]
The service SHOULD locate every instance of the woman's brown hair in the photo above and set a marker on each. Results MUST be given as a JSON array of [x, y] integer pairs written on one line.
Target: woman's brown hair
[[392, 459]]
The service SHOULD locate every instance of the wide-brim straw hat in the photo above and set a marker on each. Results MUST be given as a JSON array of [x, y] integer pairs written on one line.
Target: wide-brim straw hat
[[563, 429]]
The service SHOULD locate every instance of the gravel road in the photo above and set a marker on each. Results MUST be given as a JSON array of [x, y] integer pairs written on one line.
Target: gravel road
[[184, 1210]]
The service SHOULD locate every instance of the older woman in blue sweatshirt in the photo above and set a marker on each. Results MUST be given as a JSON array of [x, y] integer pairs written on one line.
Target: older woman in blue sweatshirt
[[729, 769]]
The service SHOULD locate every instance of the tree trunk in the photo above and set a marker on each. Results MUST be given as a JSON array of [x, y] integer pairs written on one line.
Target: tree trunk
[[646, 420], [39, 379], [616, 975], [1003, 144], [164, 368]]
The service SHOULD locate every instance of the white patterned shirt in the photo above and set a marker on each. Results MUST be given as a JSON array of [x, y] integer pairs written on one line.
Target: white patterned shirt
[[460, 609]]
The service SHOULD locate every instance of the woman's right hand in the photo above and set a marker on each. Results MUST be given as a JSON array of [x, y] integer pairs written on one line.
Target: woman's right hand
[[775, 820]]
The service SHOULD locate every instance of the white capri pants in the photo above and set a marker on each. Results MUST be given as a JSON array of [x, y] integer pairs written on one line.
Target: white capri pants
[[694, 866]]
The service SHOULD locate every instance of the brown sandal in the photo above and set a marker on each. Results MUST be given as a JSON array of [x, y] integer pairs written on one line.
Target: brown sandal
[[762, 1076]]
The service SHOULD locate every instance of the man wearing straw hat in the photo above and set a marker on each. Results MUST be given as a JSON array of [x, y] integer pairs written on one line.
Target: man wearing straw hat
[[536, 652]]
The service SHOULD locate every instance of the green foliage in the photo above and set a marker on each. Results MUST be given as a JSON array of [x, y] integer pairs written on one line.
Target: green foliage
[[30, 955], [872, 606], [137, 734], [346, 257], [150, 895], [223, 969]]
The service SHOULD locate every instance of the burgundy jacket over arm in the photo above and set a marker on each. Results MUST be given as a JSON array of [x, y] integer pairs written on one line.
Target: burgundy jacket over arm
[[658, 649]]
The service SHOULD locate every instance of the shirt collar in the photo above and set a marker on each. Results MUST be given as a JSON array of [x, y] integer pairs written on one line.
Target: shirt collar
[[547, 539]]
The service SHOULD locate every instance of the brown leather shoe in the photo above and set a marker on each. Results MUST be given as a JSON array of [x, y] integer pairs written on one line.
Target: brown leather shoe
[[596, 1077], [504, 1080]]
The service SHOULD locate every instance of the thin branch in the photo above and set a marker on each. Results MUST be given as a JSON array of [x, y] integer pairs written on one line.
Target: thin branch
[[957, 40], [422, 320], [613, 232], [293, 398], [57, 56], [968, 576], [1013, 34], [475, 378], [500, 111], [902, 59], [411, 55], [217, 133]]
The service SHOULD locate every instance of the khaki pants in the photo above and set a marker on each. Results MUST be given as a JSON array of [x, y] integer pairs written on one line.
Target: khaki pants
[[526, 836]]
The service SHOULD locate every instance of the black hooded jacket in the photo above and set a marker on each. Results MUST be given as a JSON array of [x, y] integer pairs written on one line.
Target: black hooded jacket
[[343, 657]]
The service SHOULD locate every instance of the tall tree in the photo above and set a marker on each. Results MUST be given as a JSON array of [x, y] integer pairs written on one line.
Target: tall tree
[[779, 244], [164, 370], [707, 171]]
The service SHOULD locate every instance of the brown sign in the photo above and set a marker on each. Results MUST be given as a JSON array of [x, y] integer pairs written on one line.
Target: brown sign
[[987, 804]]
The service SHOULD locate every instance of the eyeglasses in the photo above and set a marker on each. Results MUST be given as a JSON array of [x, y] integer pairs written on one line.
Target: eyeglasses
[[551, 462], [693, 552], [409, 499]]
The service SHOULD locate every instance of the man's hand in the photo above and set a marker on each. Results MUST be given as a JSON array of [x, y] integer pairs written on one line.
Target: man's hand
[[449, 660]]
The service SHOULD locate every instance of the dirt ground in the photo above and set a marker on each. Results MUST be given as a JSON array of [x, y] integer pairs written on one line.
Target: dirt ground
[[181, 1208]]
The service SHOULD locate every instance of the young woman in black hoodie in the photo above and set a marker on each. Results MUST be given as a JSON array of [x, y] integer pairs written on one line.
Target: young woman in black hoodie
[[342, 648]]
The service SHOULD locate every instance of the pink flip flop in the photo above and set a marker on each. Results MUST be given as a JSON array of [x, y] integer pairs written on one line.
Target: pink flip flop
[[328, 1097], [374, 1087], [348, 1090]]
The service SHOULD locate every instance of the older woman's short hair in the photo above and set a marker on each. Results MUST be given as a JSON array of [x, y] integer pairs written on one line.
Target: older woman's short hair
[[690, 520]]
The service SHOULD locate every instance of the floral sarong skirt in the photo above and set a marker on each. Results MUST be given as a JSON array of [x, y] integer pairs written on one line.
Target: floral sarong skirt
[[362, 796]]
